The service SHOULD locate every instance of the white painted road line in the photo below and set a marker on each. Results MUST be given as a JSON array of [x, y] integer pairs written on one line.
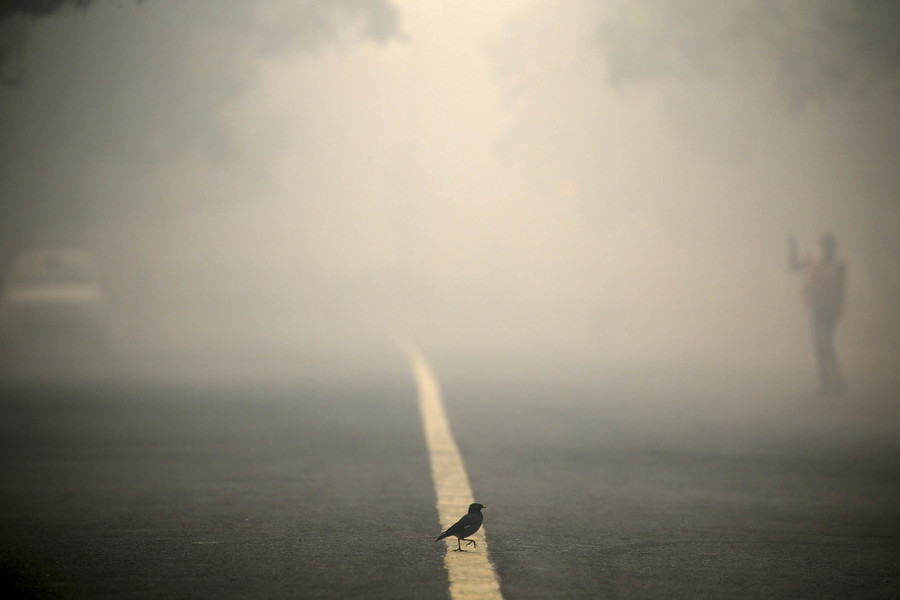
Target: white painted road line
[[471, 574]]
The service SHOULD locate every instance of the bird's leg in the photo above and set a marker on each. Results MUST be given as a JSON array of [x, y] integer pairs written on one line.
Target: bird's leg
[[472, 542], [459, 546]]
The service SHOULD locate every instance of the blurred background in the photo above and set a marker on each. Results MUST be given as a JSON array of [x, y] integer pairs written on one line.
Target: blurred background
[[601, 183]]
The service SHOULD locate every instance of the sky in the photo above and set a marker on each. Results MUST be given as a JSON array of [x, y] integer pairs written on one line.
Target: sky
[[594, 181]]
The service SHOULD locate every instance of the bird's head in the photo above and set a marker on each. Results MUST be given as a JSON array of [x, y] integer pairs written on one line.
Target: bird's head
[[475, 507]]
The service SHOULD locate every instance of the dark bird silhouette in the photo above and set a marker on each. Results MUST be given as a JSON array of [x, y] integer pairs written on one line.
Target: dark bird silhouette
[[469, 524]]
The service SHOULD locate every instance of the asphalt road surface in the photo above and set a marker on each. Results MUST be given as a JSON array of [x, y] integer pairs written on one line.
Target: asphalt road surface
[[616, 485]]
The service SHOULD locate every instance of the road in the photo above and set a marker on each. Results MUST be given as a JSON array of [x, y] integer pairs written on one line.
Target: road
[[318, 485]]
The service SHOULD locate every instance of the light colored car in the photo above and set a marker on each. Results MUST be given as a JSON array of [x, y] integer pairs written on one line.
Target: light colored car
[[53, 296]]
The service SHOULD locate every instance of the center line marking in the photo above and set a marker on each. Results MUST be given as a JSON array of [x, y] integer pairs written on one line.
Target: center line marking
[[471, 574]]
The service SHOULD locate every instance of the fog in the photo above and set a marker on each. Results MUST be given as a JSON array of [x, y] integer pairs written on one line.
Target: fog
[[598, 182]]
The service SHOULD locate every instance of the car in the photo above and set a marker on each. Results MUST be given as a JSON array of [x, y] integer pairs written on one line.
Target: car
[[53, 297]]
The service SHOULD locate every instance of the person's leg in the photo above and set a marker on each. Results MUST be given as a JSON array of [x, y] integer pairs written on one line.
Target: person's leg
[[826, 357], [823, 359], [836, 380]]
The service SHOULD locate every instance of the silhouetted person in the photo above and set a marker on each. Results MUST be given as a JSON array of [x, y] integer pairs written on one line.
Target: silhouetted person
[[823, 292]]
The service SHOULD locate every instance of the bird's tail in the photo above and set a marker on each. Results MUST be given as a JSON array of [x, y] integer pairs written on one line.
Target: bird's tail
[[440, 537]]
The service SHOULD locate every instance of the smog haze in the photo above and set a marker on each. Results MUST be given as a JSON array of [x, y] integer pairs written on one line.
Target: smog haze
[[581, 181]]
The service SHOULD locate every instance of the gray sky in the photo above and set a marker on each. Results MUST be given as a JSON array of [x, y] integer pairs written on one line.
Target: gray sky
[[610, 181]]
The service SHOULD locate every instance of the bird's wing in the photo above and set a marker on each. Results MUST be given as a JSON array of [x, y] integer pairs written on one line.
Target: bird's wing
[[457, 527], [472, 524]]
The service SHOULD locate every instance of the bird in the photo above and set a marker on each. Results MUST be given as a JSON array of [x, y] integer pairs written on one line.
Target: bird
[[469, 524]]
